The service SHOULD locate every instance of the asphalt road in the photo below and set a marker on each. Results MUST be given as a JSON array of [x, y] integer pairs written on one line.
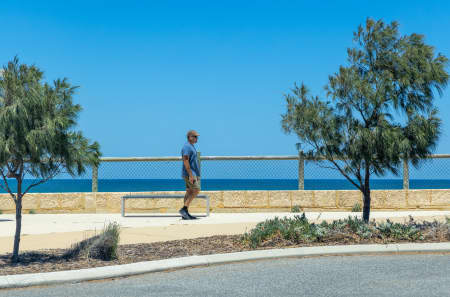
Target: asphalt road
[[388, 275]]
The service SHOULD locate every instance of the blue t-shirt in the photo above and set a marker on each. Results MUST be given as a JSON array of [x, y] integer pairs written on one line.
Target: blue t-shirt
[[189, 150]]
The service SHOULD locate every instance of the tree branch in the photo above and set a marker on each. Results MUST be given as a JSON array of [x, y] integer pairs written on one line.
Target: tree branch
[[4, 188], [330, 158], [35, 184], [345, 174], [56, 171], [10, 170], [7, 189]]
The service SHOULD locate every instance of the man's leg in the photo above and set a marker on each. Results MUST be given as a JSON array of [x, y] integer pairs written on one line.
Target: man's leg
[[188, 198], [192, 190], [193, 194], [184, 210]]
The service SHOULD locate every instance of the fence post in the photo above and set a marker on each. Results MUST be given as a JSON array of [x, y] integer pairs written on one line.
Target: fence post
[[199, 164], [405, 174], [301, 170], [95, 179]]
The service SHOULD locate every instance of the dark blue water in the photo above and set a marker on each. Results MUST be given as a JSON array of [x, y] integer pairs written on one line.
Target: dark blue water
[[141, 185]]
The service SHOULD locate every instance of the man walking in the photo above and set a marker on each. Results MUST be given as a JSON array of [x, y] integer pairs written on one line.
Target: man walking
[[190, 173]]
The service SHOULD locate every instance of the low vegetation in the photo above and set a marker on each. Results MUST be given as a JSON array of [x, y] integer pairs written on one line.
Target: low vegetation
[[102, 250], [299, 230], [102, 246], [296, 208], [357, 207]]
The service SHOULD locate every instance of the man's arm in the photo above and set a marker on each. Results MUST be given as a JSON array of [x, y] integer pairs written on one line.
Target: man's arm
[[188, 168]]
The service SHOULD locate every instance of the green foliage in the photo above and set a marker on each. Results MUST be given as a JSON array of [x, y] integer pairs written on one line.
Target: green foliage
[[37, 132], [447, 231], [356, 133], [296, 208], [299, 230], [295, 229], [32, 211], [1, 212], [399, 231], [103, 246], [356, 207], [350, 226], [37, 127]]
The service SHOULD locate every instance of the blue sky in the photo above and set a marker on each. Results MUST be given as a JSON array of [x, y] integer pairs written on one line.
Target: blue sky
[[150, 70]]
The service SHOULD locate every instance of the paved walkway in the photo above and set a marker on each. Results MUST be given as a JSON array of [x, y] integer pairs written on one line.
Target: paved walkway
[[44, 231]]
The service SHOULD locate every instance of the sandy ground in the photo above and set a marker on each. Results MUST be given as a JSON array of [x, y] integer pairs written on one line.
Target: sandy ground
[[127, 235], [45, 231]]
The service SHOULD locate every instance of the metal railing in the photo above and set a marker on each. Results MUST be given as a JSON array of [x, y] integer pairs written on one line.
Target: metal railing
[[208, 160]]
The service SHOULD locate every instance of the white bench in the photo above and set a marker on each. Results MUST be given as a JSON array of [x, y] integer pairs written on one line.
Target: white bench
[[161, 197]]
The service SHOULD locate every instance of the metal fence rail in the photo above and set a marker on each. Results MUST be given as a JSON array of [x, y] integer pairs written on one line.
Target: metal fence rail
[[255, 168]]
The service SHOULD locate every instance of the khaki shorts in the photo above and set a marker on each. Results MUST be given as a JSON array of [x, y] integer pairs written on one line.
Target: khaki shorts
[[193, 186]]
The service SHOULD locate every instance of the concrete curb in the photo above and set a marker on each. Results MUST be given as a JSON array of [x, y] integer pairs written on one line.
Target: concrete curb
[[74, 276]]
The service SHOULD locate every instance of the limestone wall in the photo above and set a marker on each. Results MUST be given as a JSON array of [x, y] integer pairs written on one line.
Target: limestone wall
[[231, 201]]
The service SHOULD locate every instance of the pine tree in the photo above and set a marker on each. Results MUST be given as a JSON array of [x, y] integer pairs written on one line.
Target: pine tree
[[37, 133], [356, 132]]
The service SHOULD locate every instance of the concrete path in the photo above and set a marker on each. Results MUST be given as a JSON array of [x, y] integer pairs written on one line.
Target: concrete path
[[44, 231]]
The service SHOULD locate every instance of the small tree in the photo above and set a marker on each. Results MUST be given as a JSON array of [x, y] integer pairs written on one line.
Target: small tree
[[357, 133], [37, 136]]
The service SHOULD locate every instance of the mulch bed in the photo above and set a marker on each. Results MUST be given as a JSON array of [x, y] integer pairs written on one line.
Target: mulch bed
[[51, 260]]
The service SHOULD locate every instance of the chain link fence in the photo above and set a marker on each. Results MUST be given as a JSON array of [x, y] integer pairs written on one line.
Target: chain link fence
[[217, 173], [62, 183], [249, 174], [239, 173], [323, 176], [261, 173], [432, 173], [140, 176]]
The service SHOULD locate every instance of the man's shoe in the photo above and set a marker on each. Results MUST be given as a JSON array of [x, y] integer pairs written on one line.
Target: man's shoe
[[184, 214], [191, 216]]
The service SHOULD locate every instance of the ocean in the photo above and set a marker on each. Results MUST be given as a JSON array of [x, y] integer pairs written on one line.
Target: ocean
[[144, 185]]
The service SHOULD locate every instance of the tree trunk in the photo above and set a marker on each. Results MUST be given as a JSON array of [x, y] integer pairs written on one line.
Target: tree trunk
[[366, 193], [366, 207], [15, 257]]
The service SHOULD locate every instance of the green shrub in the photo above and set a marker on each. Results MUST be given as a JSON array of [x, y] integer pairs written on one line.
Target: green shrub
[[296, 230], [1, 212], [299, 230], [105, 247], [296, 208], [353, 225], [32, 211], [447, 225], [102, 246], [357, 207], [80, 248], [399, 231]]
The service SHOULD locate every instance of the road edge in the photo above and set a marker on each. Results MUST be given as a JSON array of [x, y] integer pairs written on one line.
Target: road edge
[[115, 271]]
